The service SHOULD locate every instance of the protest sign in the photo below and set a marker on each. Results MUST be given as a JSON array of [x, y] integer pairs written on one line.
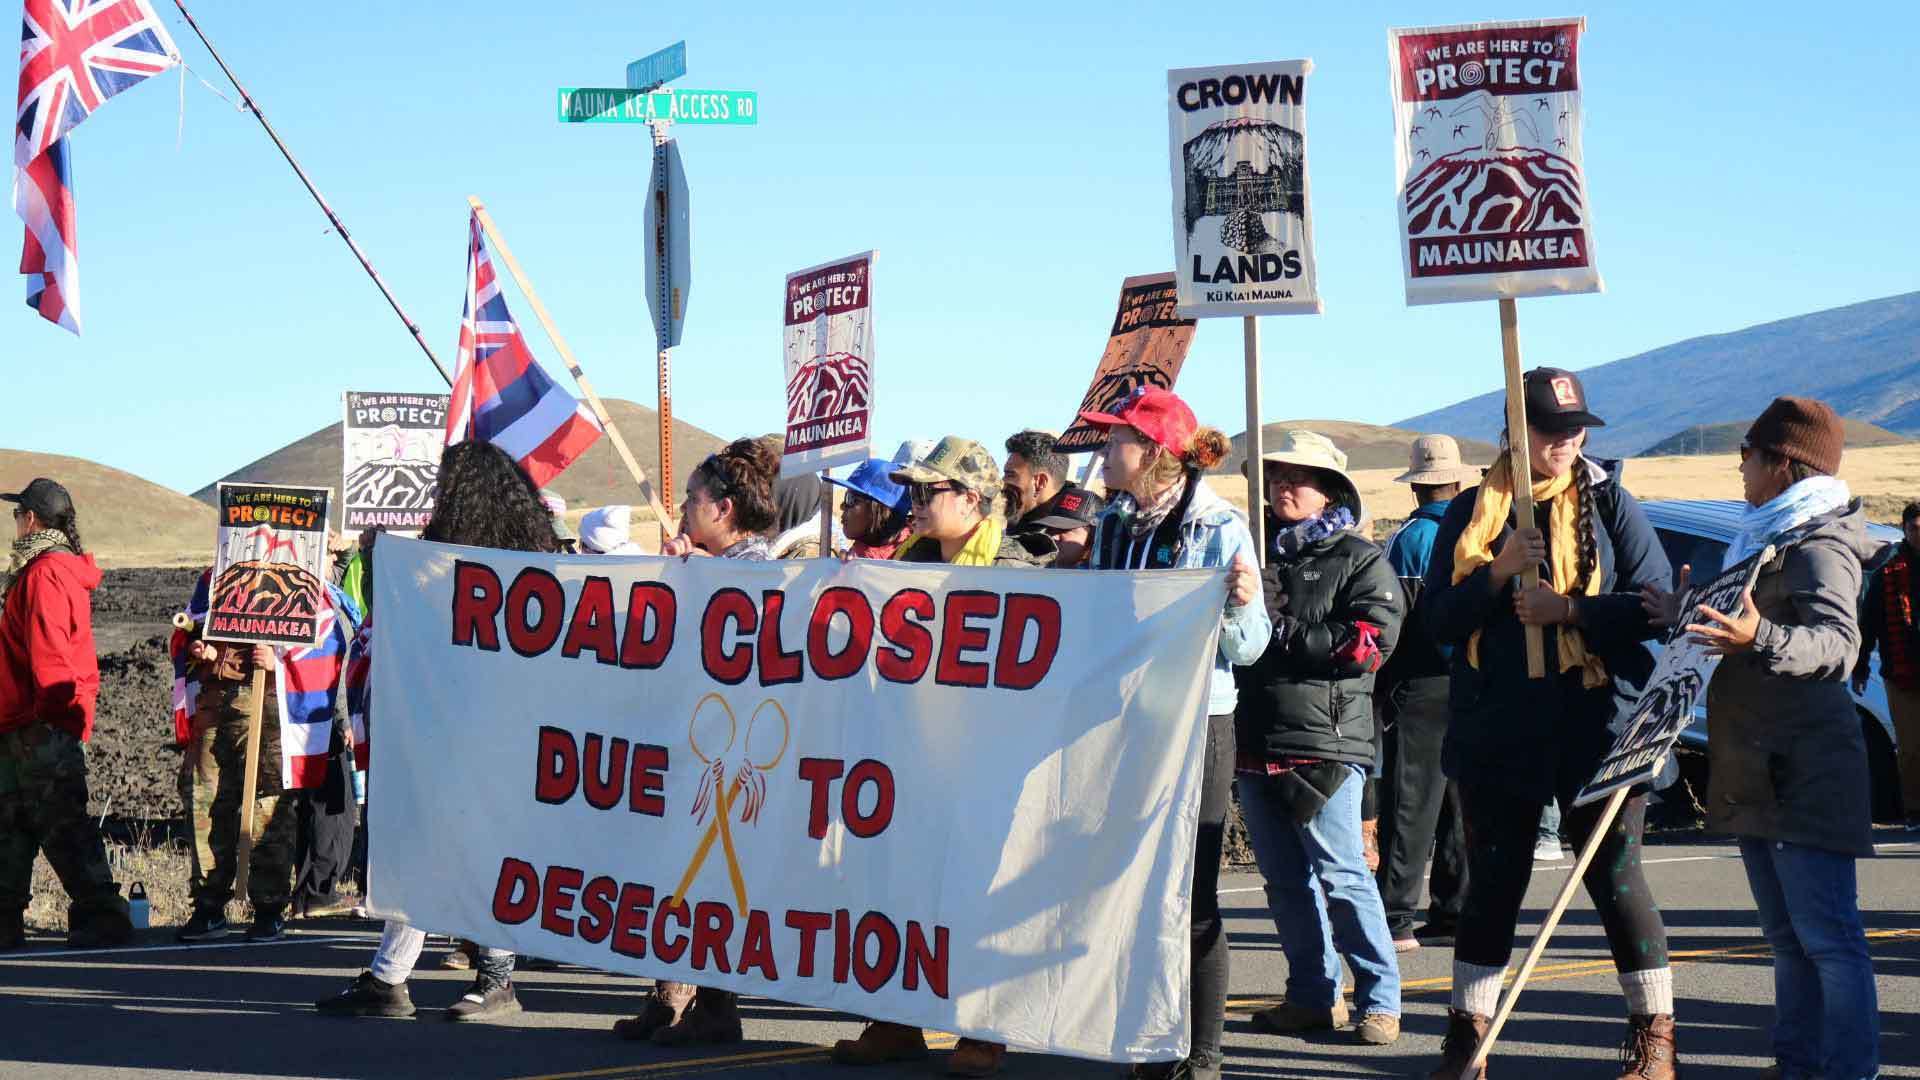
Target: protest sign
[[390, 459], [1492, 195], [957, 797], [270, 565], [829, 365], [1681, 676], [1146, 347], [1242, 234]]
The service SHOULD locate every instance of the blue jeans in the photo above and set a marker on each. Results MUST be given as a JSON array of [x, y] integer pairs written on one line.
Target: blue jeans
[[1826, 1014], [1324, 901]]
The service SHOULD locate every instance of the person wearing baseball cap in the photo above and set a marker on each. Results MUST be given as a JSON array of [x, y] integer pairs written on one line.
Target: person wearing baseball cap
[[875, 510], [1163, 516], [1515, 742], [1419, 807], [49, 682], [951, 490], [1788, 764], [1068, 521]]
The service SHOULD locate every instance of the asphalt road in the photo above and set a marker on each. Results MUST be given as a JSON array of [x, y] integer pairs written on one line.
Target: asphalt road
[[238, 1010]]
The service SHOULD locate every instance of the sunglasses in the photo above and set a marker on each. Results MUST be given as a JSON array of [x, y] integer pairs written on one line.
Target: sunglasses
[[924, 494], [20, 512]]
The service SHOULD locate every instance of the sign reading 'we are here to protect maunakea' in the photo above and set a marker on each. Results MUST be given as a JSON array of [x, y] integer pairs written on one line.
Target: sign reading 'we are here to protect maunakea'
[[1492, 192], [963, 798]]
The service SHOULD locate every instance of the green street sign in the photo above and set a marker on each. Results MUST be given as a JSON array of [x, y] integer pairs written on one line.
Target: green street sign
[[612, 105]]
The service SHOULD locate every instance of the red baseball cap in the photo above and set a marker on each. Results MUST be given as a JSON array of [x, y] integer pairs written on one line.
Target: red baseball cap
[[1158, 414]]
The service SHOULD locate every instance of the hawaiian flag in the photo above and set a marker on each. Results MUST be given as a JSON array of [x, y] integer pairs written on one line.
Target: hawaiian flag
[[186, 689], [308, 685], [501, 395], [74, 55]]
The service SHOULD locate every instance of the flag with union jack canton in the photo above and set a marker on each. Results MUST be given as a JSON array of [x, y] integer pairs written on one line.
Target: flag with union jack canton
[[501, 395], [74, 55]]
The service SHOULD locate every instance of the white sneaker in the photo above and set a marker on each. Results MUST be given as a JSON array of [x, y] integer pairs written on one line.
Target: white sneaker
[[1547, 850]]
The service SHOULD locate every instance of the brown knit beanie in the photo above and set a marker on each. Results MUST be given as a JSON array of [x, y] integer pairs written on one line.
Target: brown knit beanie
[[1800, 429]]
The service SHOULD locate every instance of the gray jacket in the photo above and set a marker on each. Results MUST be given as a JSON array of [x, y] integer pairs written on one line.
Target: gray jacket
[[1788, 761]]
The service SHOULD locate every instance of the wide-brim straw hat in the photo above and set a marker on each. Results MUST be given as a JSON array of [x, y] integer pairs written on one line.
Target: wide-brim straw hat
[[1317, 452], [1434, 460]]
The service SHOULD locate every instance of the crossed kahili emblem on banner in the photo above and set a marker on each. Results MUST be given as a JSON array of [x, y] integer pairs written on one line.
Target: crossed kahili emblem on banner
[[717, 797]]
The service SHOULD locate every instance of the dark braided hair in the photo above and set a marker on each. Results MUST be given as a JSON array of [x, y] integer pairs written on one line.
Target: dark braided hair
[[69, 524], [1589, 549], [486, 500]]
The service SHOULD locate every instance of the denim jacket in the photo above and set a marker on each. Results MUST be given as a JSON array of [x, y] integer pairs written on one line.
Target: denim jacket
[[1212, 534]]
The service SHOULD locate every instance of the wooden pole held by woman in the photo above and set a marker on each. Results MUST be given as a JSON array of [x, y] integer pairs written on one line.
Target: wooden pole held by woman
[[1256, 469], [250, 784], [1522, 463]]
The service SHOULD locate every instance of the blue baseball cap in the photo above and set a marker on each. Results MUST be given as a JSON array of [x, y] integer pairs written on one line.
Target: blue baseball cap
[[873, 479]]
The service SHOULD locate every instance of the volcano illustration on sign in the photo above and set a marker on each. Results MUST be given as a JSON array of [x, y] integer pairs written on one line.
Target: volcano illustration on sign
[[1481, 167], [828, 341], [1243, 170]]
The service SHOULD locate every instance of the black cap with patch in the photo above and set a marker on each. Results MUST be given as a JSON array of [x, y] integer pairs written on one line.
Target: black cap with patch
[[1073, 508], [47, 499], [1556, 401]]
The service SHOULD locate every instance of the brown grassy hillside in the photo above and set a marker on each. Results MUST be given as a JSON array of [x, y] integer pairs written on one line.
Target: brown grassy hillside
[[1367, 446], [124, 520]]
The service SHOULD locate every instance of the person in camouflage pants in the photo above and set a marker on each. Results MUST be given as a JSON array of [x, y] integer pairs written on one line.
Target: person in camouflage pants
[[199, 780], [43, 808], [225, 697]]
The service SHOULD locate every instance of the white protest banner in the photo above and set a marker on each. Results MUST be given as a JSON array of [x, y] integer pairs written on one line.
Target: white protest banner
[[270, 565], [1242, 233], [390, 459], [829, 365], [1492, 195], [959, 797], [1679, 678]]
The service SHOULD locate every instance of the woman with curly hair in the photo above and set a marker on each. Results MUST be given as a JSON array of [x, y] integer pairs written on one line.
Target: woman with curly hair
[[729, 508], [1515, 743], [484, 500]]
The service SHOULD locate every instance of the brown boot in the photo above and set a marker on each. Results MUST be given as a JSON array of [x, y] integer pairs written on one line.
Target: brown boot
[[663, 1009], [1370, 844], [1288, 1018], [975, 1058], [714, 1017], [880, 1043], [1648, 1053], [1464, 1032]]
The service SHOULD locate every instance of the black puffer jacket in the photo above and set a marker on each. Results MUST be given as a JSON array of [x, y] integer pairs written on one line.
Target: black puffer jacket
[[1310, 695]]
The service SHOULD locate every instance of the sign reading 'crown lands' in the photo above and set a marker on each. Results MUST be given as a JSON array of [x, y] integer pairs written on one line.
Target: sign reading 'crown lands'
[[270, 565], [1242, 235], [829, 365], [1493, 200]]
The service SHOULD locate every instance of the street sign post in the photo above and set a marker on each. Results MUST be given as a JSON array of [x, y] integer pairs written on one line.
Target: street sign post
[[668, 221], [614, 105], [652, 72], [670, 270]]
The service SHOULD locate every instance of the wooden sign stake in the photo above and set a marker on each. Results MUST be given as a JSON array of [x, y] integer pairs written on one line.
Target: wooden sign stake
[[1522, 465], [573, 365], [1256, 468], [250, 785]]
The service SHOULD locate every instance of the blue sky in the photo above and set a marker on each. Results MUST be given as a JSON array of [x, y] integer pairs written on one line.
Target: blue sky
[[1008, 161]]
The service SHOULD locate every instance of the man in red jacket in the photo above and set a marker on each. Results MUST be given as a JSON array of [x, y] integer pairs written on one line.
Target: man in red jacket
[[49, 681]]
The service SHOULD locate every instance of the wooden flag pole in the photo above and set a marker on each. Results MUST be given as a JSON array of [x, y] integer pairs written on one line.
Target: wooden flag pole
[[573, 365], [250, 784], [1256, 469], [1539, 947], [1522, 465], [332, 218]]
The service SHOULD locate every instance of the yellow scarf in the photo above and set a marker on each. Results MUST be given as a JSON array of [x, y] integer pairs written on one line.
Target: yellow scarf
[[1474, 549], [979, 549]]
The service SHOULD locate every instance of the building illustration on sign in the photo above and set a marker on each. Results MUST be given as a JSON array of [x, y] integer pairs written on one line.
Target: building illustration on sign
[[1265, 177]]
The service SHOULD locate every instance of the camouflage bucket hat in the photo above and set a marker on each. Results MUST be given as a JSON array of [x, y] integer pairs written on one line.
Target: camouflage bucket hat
[[962, 461]]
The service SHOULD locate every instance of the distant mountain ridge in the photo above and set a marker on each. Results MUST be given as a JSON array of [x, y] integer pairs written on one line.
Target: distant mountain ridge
[[1863, 359], [1726, 438]]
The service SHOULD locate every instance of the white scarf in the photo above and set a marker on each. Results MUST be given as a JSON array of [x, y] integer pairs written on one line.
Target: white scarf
[[1790, 509]]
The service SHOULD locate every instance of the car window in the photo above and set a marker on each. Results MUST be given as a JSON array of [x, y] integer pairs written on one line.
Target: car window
[[1686, 549]]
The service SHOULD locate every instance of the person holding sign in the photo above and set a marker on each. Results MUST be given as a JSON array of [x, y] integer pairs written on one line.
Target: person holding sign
[[1789, 765], [49, 681], [1305, 736], [1515, 743], [729, 509], [1164, 517]]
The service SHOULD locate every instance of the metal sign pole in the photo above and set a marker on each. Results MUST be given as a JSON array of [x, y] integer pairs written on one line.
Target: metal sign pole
[[664, 305]]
